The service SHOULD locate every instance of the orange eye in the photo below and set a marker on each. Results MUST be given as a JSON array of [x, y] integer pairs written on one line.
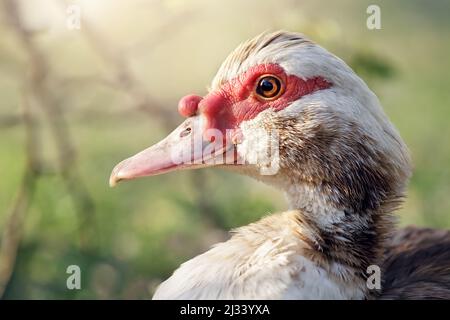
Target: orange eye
[[268, 87]]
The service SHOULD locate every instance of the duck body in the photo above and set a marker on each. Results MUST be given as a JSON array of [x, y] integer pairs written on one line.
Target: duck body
[[264, 260], [267, 261]]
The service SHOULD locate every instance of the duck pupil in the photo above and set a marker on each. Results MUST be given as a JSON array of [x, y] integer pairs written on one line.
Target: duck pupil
[[266, 85]]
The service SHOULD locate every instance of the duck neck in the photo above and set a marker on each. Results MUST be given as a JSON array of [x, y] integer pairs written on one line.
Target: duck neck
[[338, 236]]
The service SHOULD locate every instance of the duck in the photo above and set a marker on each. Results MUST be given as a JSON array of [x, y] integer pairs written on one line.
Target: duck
[[287, 112]]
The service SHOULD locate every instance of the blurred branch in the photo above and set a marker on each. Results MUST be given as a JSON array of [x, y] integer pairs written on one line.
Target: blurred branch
[[166, 30], [123, 77], [12, 233], [7, 121], [128, 82], [13, 229]]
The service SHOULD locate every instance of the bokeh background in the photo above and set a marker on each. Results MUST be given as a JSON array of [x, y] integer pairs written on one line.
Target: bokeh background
[[75, 102]]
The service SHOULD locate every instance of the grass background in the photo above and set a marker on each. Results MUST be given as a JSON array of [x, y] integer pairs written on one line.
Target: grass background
[[142, 230]]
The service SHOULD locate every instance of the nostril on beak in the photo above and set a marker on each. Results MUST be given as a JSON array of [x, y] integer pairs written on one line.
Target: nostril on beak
[[185, 132], [188, 105]]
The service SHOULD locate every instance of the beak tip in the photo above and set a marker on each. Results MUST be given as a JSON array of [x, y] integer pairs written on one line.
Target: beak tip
[[115, 177], [112, 183], [113, 180]]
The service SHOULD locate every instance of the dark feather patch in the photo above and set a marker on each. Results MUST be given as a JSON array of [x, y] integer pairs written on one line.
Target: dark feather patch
[[343, 163], [417, 265]]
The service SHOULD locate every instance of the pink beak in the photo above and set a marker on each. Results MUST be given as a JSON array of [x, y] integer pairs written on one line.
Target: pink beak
[[187, 147]]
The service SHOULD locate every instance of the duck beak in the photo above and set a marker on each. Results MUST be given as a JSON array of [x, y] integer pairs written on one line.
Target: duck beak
[[188, 147]]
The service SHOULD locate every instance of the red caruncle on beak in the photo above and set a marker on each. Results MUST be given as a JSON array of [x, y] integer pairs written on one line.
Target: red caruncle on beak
[[214, 109], [188, 105]]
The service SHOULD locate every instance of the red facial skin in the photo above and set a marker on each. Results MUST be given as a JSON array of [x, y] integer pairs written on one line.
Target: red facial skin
[[222, 110], [236, 101]]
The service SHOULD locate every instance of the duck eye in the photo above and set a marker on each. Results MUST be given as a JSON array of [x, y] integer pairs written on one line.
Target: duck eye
[[268, 87]]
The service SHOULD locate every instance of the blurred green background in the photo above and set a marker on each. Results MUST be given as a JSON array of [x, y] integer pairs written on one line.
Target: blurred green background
[[75, 102]]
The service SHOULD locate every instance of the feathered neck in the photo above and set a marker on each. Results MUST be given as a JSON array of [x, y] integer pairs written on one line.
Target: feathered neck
[[338, 234]]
